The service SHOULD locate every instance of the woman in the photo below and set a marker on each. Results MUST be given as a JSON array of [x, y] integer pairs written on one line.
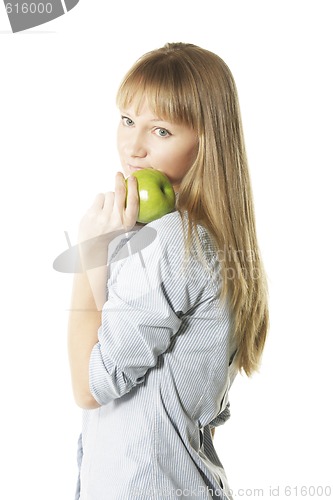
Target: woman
[[183, 315]]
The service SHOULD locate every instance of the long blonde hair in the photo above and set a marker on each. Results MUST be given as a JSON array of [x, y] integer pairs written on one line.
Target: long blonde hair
[[186, 84]]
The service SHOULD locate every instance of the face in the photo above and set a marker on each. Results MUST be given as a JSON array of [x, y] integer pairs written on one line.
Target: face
[[146, 141]]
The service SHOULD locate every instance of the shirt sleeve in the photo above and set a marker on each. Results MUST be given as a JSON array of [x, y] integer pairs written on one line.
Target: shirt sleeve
[[148, 293]]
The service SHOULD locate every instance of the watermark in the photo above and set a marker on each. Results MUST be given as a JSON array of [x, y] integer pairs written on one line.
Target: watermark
[[191, 492], [286, 491], [23, 15], [69, 261], [214, 267], [228, 254]]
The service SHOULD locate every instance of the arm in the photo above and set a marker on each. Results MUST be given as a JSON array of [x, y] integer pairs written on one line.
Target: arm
[[83, 324], [107, 214]]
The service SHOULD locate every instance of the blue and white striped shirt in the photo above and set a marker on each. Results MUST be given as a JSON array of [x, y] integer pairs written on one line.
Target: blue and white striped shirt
[[161, 372]]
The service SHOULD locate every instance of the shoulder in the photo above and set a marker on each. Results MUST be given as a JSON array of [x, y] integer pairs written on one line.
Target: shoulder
[[170, 224], [174, 227], [192, 250], [155, 260], [168, 235], [165, 243], [161, 236]]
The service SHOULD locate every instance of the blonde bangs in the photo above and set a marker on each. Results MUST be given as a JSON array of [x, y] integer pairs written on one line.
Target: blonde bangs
[[166, 87]]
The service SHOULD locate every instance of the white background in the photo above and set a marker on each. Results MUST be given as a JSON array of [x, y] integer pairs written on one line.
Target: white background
[[57, 150]]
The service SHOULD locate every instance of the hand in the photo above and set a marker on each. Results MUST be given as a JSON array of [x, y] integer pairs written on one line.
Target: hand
[[107, 215]]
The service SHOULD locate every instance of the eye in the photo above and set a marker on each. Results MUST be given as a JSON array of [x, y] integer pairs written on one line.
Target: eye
[[127, 121], [162, 132]]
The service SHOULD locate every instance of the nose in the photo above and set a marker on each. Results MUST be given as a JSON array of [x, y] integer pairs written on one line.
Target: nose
[[136, 146]]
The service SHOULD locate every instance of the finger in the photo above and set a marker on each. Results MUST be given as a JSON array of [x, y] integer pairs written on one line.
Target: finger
[[98, 201], [120, 192], [108, 202], [132, 204]]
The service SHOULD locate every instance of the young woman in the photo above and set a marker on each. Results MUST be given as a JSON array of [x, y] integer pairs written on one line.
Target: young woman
[[185, 312]]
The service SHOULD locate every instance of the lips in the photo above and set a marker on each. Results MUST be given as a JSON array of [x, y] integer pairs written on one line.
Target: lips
[[134, 168]]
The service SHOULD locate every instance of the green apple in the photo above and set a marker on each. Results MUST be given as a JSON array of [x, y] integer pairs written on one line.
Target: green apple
[[156, 194]]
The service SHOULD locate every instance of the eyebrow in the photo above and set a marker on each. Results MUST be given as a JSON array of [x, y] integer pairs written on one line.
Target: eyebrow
[[154, 120], [124, 112], [161, 120]]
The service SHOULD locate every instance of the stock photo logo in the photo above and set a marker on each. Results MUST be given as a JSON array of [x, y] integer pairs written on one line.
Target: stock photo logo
[[123, 246], [23, 15]]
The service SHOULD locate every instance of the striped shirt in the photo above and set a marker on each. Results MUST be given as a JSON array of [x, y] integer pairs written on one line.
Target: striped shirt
[[161, 372]]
